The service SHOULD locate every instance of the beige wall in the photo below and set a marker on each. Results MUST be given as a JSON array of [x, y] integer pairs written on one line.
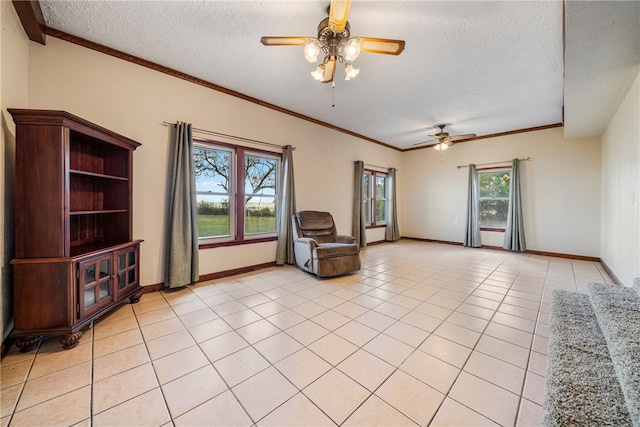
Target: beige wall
[[620, 248], [134, 101], [14, 92], [560, 187]]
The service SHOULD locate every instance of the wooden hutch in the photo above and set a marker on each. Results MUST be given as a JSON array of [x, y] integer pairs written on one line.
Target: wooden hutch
[[75, 258]]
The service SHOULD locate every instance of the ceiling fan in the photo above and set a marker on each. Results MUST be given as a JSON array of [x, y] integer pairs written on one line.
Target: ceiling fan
[[335, 43], [444, 140]]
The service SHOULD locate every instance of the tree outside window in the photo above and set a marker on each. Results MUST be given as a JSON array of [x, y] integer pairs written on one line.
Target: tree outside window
[[230, 180], [213, 168], [494, 197], [260, 194]]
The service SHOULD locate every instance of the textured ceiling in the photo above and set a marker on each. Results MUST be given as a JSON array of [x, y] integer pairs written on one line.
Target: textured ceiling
[[482, 67], [602, 57]]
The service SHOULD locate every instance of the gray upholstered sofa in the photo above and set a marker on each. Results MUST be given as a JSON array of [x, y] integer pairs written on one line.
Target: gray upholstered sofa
[[318, 247]]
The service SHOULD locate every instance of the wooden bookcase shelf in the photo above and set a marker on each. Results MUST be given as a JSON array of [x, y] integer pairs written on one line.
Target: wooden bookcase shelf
[[75, 256], [104, 211], [97, 175]]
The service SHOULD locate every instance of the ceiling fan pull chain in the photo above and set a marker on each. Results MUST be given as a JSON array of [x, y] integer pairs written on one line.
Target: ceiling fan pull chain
[[333, 94]]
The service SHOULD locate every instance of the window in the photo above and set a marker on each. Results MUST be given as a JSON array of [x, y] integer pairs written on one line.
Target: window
[[374, 188], [235, 192], [494, 198]]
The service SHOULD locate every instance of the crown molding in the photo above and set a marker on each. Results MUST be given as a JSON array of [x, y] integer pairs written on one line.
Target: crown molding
[[494, 135], [32, 20], [195, 80]]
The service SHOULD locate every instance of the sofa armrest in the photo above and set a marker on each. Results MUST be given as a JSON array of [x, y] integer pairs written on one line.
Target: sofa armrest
[[345, 239]]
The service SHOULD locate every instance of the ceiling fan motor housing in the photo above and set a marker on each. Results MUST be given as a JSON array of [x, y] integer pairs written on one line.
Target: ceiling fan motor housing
[[332, 43]]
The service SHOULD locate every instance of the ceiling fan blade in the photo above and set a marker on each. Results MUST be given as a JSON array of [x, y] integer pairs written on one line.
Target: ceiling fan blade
[[460, 137], [384, 46], [338, 14], [283, 41], [426, 143], [329, 71]]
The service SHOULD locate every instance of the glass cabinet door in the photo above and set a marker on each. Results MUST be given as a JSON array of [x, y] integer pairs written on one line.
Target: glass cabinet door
[[95, 283], [126, 269]]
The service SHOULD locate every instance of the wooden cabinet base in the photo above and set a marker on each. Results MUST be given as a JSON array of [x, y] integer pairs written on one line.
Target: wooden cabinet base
[[26, 344], [133, 299], [27, 340], [71, 341], [60, 297]]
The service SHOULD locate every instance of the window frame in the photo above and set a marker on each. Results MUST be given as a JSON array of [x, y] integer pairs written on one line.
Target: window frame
[[236, 193], [495, 169], [370, 200]]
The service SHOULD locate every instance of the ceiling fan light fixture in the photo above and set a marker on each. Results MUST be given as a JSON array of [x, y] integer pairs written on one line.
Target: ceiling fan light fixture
[[311, 50], [318, 73], [351, 72], [441, 146], [335, 43], [352, 49]]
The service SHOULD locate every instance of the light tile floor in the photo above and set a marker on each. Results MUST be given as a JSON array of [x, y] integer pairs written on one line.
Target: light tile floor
[[424, 334]]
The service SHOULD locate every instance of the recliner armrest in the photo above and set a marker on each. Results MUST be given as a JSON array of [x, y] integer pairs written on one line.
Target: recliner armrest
[[345, 239], [303, 249], [306, 241]]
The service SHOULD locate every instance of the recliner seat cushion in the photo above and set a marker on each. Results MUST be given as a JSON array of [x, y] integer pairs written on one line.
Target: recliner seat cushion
[[332, 250]]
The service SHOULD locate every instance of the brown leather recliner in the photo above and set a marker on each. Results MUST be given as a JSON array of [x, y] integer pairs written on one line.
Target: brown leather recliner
[[318, 247]]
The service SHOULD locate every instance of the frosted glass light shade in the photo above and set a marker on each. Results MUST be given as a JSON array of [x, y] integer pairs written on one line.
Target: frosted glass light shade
[[352, 50], [351, 72], [311, 50]]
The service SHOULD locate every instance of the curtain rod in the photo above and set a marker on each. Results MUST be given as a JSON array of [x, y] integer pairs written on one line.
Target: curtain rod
[[493, 163], [224, 135], [376, 166]]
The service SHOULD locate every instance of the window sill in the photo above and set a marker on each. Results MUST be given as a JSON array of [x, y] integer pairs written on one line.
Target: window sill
[[375, 226], [499, 230], [237, 242]]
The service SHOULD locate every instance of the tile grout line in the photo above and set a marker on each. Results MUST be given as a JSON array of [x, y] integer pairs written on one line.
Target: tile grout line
[[144, 340], [533, 336], [24, 383], [93, 341]]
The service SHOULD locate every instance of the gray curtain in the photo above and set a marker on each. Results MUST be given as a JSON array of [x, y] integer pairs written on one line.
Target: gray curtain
[[472, 236], [357, 224], [286, 208], [181, 242], [514, 234], [392, 232]]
